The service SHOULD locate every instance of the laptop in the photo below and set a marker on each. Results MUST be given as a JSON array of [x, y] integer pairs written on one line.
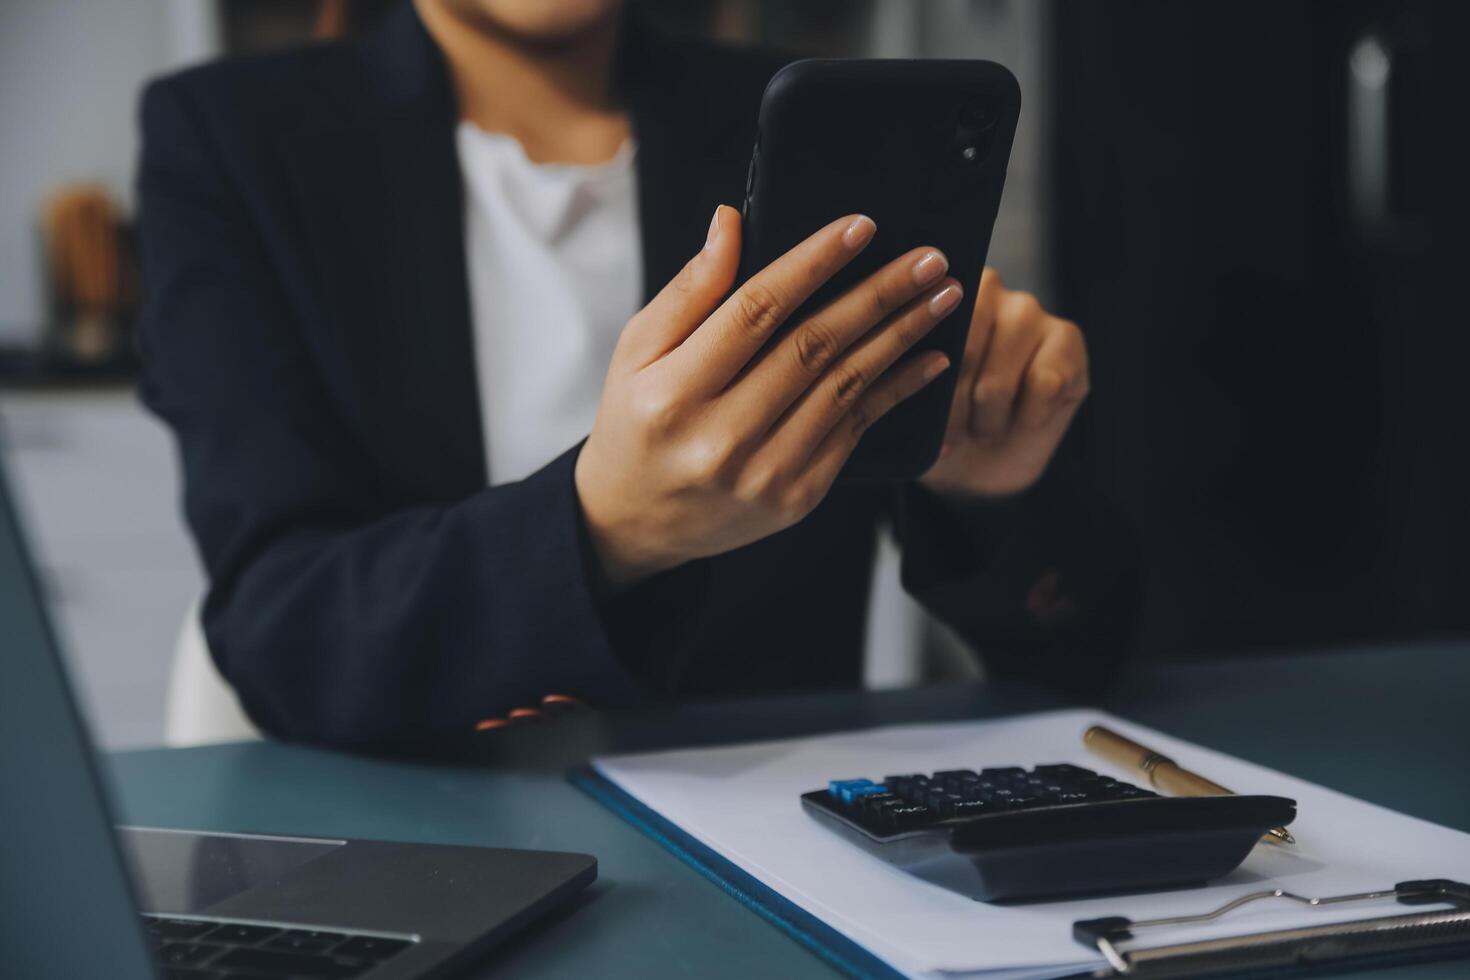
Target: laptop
[[80, 898]]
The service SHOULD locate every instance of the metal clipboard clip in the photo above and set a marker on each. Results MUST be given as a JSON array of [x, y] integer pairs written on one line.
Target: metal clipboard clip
[[1427, 935]]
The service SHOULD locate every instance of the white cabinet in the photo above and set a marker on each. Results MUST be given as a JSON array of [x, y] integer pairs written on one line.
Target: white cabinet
[[96, 484]]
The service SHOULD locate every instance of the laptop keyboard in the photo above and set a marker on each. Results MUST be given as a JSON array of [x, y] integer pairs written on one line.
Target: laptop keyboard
[[217, 949]]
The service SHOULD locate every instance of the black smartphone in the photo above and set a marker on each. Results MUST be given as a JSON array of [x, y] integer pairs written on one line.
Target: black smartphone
[[921, 147]]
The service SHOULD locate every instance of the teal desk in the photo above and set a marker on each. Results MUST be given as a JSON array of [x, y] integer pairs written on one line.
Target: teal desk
[[1387, 725]]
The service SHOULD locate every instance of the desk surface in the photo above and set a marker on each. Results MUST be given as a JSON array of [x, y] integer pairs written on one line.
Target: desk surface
[[1385, 725]]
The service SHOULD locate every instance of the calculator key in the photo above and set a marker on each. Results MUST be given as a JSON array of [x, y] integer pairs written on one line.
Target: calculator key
[[876, 801], [972, 808], [956, 775], [848, 789], [944, 804], [875, 812]]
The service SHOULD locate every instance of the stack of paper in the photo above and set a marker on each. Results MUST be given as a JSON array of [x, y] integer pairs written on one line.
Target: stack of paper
[[743, 802]]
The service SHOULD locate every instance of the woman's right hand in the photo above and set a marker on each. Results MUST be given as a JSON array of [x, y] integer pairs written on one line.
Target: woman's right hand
[[701, 446]]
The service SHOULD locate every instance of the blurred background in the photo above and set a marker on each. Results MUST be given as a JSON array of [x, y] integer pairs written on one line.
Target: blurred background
[[1255, 210]]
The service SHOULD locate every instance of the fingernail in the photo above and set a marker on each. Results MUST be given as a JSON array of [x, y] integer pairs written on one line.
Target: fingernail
[[714, 229], [936, 367], [930, 267], [860, 232], [945, 300]]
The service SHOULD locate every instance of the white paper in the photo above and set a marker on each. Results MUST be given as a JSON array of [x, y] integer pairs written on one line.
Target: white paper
[[743, 802]]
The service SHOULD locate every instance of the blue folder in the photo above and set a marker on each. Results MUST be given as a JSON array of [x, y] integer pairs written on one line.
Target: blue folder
[[832, 946]]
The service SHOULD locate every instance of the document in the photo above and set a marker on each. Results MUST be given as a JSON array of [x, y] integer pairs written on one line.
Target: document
[[743, 802]]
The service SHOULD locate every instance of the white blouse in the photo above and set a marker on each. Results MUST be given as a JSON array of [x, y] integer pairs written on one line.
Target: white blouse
[[555, 271]]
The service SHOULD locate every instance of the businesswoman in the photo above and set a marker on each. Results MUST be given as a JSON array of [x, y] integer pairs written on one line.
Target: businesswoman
[[439, 321]]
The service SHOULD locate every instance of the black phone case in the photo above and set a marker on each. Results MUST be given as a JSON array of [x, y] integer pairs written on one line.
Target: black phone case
[[919, 146]]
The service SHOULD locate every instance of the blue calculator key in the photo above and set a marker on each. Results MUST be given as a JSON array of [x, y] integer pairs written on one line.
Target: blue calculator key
[[847, 789]]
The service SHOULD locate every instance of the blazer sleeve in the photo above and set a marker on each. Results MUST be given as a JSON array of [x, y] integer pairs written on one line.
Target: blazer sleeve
[[340, 615], [1044, 587]]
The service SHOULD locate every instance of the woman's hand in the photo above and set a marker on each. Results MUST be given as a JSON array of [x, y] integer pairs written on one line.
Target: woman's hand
[[1023, 376], [700, 446]]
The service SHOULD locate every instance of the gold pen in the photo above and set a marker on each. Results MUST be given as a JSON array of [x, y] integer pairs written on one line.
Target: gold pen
[[1163, 772]]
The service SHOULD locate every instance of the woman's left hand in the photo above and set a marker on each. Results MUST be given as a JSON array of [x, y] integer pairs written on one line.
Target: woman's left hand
[[1023, 376]]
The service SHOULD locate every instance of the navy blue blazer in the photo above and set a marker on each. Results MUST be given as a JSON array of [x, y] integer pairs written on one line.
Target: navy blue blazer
[[307, 337]]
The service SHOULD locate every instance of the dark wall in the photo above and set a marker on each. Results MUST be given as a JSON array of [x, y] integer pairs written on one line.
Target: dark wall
[[1280, 397]]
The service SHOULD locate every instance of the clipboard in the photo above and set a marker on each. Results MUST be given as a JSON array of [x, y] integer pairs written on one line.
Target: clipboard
[[731, 812], [1408, 937], [1380, 941]]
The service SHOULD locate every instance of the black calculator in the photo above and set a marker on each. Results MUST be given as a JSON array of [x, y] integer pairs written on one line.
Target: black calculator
[[1054, 831]]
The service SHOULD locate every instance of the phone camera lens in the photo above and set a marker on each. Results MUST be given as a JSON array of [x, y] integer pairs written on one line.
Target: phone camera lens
[[971, 145], [974, 131]]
